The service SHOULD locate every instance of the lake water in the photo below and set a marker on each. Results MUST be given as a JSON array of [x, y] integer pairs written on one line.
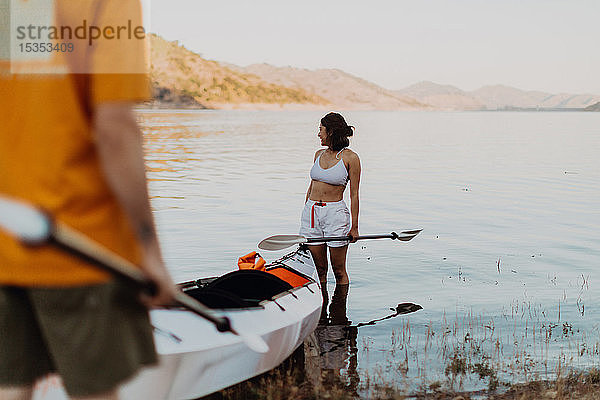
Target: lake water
[[505, 268]]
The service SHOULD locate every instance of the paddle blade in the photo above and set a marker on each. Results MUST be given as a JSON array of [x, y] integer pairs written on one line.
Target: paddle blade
[[279, 242], [23, 221], [405, 236], [413, 232]]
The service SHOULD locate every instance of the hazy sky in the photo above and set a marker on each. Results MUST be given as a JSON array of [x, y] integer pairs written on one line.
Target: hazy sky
[[547, 45]]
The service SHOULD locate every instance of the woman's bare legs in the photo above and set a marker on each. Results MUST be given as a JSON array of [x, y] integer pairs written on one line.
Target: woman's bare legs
[[319, 255], [337, 256]]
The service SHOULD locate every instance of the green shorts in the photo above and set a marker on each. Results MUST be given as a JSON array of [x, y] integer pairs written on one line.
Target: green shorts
[[94, 337]]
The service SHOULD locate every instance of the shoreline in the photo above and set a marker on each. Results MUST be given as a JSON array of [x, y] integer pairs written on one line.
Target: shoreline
[[320, 107], [288, 382]]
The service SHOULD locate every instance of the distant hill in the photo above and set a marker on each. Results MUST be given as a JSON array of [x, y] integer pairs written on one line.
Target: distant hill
[[342, 90], [500, 96], [181, 77], [444, 97], [566, 100], [494, 97]]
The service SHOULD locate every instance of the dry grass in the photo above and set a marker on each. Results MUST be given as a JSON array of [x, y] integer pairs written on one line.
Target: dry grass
[[283, 385]]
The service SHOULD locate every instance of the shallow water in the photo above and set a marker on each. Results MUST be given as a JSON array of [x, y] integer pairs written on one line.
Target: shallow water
[[504, 269]]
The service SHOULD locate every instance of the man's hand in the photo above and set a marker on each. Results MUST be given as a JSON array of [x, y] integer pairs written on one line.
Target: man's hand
[[154, 268]]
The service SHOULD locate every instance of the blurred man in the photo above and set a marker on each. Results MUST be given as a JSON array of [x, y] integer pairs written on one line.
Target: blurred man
[[69, 143]]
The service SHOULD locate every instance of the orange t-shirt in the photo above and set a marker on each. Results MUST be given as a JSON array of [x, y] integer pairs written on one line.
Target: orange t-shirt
[[48, 156]]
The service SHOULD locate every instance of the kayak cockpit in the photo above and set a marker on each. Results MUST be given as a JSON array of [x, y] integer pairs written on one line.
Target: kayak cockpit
[[237, 289], [247, 288]]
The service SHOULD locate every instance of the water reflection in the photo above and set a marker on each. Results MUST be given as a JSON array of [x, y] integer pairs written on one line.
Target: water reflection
[[327, 361], [401, 309], [330, 353], [172, 147]]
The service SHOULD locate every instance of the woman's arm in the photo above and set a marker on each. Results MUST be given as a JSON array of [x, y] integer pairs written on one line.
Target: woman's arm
[[354, 170]]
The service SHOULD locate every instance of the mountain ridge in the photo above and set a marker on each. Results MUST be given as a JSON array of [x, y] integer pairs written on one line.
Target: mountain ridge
[[182, 78], [495, 97], [344, 90]]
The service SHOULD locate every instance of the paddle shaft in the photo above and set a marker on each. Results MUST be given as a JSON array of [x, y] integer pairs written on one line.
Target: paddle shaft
[[336, 238], [81, 246], [279, 242]]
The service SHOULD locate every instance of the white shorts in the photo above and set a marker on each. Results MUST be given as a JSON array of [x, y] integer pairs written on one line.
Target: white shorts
[[321, 219]]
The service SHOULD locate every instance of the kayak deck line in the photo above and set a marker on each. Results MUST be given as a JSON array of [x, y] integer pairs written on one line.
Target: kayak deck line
[[291, 291], [170, 335]]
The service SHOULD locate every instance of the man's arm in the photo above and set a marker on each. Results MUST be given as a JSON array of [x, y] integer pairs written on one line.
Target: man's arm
[[119, 144]]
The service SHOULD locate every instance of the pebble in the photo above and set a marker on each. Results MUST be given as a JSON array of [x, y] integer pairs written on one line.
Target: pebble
[[550, 393]]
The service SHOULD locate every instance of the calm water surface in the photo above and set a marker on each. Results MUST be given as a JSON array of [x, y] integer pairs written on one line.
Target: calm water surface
[[505, 268]]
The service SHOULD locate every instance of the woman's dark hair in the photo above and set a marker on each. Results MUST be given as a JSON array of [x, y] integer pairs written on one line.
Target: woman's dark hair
[[338, 131]]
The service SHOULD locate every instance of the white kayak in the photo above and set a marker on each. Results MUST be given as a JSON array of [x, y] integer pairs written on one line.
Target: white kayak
[[196, 360]]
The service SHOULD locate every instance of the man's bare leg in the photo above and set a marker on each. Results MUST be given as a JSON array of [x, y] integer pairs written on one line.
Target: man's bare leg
[[113, 395], [16, 393]]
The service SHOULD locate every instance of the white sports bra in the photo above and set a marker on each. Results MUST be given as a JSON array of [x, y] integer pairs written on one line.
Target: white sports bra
[[336, 175]]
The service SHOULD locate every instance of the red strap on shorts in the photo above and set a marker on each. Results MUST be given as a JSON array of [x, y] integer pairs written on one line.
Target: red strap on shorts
[[312, 212]]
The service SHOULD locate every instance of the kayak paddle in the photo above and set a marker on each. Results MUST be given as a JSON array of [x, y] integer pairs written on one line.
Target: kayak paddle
[[279, 242], [34, 228]]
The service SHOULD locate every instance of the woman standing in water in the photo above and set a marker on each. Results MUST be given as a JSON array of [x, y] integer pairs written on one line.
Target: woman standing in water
[[325, 212]]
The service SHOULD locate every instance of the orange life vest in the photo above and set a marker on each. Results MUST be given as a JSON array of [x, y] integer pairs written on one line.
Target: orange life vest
[[253, 260]]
